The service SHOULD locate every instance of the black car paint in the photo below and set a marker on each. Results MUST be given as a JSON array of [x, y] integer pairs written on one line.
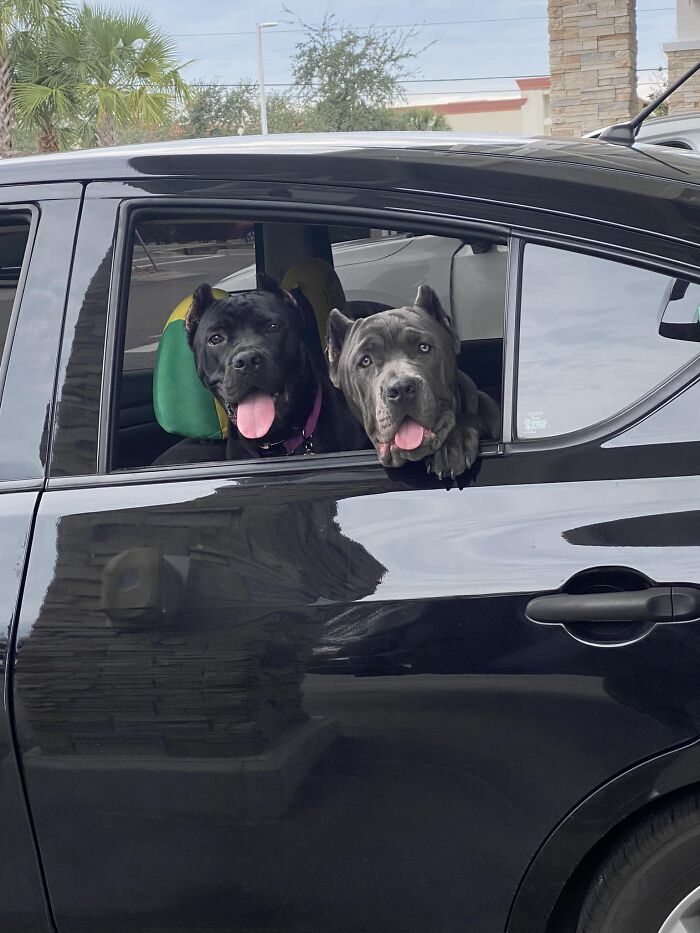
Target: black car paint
[[27, 383], [456, 754]]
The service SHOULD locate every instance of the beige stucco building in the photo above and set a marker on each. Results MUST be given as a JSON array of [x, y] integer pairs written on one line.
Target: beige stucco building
[[523, 114]]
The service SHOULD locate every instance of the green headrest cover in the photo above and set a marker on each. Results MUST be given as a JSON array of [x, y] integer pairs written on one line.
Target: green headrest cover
[[182, 404]]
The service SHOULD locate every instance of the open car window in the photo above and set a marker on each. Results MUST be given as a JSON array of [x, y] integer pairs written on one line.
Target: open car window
[[171, 252]]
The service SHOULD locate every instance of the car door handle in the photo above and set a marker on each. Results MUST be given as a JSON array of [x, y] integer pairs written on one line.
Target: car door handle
[[654, 604]]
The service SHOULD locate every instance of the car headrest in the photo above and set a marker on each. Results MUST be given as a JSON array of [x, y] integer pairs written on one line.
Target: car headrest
[[319, 282], [182, 404]]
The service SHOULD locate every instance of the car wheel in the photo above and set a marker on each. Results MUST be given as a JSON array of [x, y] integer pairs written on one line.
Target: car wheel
[[650, 882]]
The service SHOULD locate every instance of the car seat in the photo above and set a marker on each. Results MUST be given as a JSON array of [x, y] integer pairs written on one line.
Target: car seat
[[183, 406]]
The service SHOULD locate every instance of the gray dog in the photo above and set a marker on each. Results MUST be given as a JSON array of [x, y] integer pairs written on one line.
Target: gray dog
[[398, 372]]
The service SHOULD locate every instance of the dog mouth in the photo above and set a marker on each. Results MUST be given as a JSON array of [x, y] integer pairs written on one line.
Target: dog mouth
[[410, 435], [254, 414]]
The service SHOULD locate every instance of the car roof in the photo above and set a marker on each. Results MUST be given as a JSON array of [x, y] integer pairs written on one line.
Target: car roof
[[235, 156], [646, 188]]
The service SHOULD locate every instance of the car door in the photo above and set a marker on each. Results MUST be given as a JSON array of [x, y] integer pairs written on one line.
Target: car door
[[309, 694], [36, 240]]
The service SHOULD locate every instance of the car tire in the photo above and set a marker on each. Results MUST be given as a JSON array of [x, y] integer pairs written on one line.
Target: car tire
[[651, 879]]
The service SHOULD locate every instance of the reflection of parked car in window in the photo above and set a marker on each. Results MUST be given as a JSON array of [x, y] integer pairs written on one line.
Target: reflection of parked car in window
[[373, 273], [306, 693], [680, 131]]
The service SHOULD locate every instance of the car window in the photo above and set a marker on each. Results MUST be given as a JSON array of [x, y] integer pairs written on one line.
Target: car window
[[14, 236], [590, 342], [171, 253], [170, 257]]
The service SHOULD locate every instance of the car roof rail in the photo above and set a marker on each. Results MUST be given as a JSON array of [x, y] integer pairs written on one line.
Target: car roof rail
[[625, 134]]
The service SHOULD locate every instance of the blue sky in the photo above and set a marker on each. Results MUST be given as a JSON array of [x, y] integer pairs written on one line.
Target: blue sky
[[517, 45]]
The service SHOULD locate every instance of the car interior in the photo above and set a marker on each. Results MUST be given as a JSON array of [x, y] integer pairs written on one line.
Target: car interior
[[171, 252]]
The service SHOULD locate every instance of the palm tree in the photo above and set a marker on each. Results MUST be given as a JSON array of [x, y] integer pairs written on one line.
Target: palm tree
[[126, 72], [16, 16], [46, 95]]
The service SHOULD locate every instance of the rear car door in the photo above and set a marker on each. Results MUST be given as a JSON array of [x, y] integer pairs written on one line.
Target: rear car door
[[305, 694], [37, 225]]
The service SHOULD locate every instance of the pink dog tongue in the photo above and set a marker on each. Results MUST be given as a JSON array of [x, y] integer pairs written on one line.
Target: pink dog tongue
[[255, 415], [410, 435]]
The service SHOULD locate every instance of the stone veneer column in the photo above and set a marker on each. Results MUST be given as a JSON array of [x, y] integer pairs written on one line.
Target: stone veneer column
[[593, 63], [682, 56]]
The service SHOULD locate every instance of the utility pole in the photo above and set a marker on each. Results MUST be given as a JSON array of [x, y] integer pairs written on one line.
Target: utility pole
[[261, 76]]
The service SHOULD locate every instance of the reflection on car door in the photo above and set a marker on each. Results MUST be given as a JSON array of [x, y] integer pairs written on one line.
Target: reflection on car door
[[39, 223], [305, 696]]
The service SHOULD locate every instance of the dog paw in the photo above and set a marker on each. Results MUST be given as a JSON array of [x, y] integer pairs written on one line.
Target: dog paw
[[457, 455]]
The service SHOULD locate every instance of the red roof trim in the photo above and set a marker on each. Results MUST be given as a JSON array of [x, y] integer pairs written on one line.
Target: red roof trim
[[534, 84]]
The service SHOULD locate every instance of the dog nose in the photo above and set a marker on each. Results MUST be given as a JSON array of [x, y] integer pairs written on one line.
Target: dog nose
[[246, 361], [401, 389]]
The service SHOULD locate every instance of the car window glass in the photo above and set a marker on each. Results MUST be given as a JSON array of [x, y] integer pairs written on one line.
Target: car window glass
[[172, 253], [590, 342], [169, 261], [14, 235]]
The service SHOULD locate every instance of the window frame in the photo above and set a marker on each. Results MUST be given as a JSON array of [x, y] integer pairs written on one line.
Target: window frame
[[34, 213], [606, 428], [517, 236], [258, 211]]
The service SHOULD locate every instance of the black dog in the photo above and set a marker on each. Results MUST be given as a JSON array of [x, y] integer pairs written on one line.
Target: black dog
[[398, 372], [251, 353]]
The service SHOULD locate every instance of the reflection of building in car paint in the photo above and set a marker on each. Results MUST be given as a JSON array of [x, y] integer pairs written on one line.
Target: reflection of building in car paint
[[158, 648]]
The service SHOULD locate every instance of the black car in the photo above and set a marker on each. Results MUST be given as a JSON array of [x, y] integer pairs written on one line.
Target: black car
[[309, 694]]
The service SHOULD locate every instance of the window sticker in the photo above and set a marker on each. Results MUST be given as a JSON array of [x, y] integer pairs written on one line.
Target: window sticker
[[534, 423]]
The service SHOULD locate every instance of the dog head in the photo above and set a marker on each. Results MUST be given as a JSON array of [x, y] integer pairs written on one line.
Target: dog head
[[250, 353], [398, 372]]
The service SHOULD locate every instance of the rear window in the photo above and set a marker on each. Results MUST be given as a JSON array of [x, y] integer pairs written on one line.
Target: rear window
[[14, 236], [593, 338]]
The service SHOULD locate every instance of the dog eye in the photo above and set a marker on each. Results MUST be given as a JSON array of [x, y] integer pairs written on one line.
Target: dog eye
[[365, 360], [214, 339], [273, 325], [424, 348]]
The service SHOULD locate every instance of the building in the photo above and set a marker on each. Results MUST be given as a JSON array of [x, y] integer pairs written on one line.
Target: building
[[682, 55], [523, 114], [593, 64]]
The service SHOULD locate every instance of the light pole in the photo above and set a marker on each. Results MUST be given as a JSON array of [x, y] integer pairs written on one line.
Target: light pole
[[261, 76]]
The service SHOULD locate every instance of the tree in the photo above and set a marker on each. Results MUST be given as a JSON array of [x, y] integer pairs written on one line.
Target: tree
[[348, 79], [125, 69], [17, 16], [46, 96], [657, 86], [420, 118], [217, 110]]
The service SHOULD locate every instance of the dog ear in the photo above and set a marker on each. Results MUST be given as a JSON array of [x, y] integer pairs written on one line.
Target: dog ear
[[338, 327], [202, 298], [428, 301], [266, 283]]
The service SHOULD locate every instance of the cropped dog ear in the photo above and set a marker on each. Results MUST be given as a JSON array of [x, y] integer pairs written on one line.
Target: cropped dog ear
[[338, 327], [266, 283], [428, 301], [202, 298]]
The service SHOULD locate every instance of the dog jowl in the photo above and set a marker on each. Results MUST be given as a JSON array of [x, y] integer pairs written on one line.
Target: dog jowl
[[398, 372], [251, 354]]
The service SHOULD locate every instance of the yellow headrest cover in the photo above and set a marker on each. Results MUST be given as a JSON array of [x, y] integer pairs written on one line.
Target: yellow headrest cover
[[319, 282]]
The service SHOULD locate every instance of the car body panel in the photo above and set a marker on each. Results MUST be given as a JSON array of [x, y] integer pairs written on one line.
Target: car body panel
[[27, 395], [305, 695], [141, 739]]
